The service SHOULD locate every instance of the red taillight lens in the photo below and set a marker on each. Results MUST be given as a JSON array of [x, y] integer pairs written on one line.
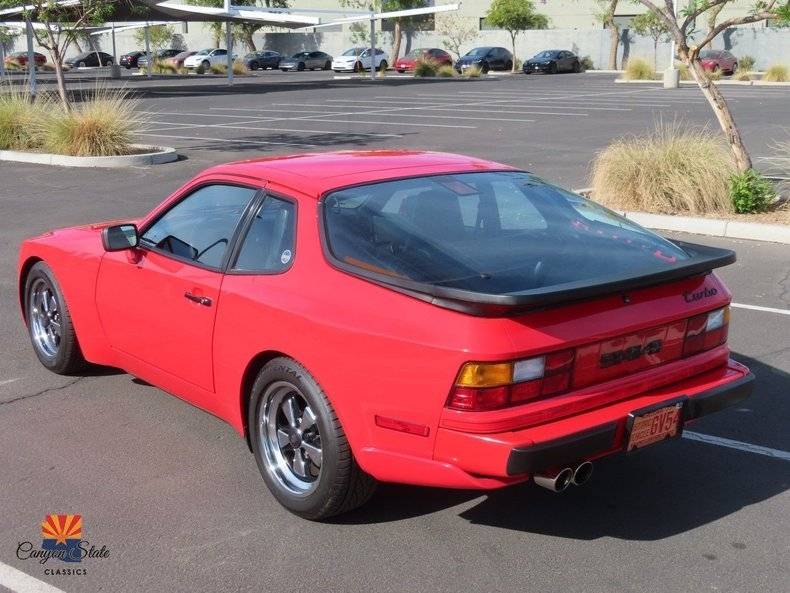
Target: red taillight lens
[[706, 331], [491, 386]]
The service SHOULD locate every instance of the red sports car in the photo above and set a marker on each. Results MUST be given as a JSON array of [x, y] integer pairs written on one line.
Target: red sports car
[[397, 316], [409, 61], [20, 57], [718, 61]]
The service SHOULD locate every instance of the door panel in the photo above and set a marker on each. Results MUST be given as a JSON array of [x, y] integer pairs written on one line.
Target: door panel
[[143, 309]]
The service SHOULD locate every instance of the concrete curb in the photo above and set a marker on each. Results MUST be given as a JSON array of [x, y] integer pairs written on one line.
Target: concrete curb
[[157, 156], [717, 82], [713, 227]]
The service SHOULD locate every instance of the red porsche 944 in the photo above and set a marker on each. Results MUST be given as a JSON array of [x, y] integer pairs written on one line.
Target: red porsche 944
[[396, 316]]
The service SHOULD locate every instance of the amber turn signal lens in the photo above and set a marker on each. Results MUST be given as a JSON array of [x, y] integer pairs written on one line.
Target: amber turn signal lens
[[480, 374]]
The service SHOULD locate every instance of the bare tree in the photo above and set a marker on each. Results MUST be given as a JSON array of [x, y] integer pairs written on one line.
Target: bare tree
[[456, 31], [681, 25], [605, 14]]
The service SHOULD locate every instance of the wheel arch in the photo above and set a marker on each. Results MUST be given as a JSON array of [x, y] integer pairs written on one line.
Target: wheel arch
[[248, 379], [24, 270]]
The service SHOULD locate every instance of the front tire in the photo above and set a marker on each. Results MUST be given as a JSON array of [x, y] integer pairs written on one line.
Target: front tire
[[328, 66], [49, 323], [300, 67], [300, 446]]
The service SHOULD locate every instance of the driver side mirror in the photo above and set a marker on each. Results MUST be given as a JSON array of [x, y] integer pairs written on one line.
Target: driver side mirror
[[119, 237]]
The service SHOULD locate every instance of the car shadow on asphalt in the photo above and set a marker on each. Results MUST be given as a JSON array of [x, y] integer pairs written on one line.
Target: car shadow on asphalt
[[653, 494]]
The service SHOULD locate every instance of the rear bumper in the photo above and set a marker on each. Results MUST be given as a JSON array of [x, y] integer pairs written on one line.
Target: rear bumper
[[515, 455], [591, 443]]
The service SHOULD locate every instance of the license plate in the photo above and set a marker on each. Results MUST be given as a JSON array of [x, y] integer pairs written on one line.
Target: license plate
[[654, 426]]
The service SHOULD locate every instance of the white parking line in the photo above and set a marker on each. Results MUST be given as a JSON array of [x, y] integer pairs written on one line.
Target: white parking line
[[425, 108], [7, 381], [759, 308], [230, 140], [748, 447], [21, 582], [298, 131]]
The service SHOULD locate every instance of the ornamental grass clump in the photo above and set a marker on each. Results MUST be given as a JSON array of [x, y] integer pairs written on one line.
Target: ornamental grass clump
[[423, 68], [102, 124], [777, 73], [22, 120], [446, 71], [639, 69], [674, 169], [474, 72]]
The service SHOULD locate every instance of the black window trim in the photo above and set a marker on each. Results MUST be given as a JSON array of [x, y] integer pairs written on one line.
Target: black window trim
[[234, 256], [258, 195], [702, 260]]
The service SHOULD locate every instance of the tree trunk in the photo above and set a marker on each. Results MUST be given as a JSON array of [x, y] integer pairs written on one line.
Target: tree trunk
[[396, 35], [723, 114], [614, 35], [249, 41], [513, 44], [57, 58]]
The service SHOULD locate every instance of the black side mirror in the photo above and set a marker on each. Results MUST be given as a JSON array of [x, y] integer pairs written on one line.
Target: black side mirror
[[119, 237]]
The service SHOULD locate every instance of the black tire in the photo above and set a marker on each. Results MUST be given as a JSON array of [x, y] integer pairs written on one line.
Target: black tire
[[401, 71], [81, 65], [205, 64], [128, 67], [577, 67], [300, 67], [328, 66], [383, 65], [341, 484], [508, 66], [357, 67], [484, 68], [553, 68], [68, 358], [284, 69], [254, 65]]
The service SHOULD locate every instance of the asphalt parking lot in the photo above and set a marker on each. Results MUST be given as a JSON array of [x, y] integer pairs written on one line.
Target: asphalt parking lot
[[175, 495]]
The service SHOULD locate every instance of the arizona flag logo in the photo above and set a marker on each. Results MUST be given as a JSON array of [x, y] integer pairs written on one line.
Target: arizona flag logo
[[63, 533]]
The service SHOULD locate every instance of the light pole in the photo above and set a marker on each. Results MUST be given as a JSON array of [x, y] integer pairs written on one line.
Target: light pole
[[229, 44]]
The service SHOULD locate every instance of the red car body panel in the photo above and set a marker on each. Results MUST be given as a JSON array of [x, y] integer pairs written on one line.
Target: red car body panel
[[407, 64], [374, 351], [720, 60]]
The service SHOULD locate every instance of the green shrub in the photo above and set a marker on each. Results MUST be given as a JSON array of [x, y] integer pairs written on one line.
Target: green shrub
[[102, 124], [777, 73], [751, 192], [746, 63], [587, 63], [675, 169], [474, 72], [425, 68], [446, 71], [639, 69], [22, 119]]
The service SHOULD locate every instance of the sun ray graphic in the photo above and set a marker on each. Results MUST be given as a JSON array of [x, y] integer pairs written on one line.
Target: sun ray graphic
[[61, 527]]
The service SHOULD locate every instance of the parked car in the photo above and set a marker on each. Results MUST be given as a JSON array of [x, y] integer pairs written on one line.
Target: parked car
[[20, 57], [206, 58], [434, 54], [129, 60], [162, 55], [90, 59], [178, 59], [307, 60], [715, 60], [484, 327], [552, 61], [262, 60], [486, 58], [358, 59]]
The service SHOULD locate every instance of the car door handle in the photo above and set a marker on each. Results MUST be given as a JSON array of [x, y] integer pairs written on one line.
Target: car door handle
[[200, 300]]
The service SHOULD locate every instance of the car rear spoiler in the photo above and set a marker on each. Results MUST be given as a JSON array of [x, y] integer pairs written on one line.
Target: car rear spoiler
[[702, 260]]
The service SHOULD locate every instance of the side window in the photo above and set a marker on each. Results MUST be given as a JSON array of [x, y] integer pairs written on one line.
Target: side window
[[269, 243], [315, 54], [220, 52], [200, 227]]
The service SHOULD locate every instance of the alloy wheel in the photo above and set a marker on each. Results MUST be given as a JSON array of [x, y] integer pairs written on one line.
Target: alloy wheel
[[290, 438], [45, 318]]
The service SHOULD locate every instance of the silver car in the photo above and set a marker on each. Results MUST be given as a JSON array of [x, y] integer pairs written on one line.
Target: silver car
[[307, 60]]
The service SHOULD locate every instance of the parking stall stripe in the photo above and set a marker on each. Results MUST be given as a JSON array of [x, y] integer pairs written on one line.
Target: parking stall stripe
[[7, 381], [20, 582], [298, 131], [398, 123], [759, 308], [229, 140], [732, 444]]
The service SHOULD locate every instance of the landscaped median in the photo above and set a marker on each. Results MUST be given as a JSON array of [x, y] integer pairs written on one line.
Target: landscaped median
[[96, 131], [681, 178]]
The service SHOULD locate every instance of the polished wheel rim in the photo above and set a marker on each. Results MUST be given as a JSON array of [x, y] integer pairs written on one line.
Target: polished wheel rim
[[45, 318], [290, 438]]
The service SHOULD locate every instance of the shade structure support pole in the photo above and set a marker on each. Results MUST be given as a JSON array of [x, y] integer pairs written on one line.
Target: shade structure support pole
[[372, 46]]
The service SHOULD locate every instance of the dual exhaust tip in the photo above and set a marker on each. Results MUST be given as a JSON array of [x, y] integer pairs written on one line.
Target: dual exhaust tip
[[559, 480]]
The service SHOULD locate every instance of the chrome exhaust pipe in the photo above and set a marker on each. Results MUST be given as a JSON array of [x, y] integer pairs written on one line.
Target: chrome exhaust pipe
[[582, 473], [556, 481]]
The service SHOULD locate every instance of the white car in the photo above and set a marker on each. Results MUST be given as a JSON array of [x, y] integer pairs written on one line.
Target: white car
[[357, 59], [207, 58]]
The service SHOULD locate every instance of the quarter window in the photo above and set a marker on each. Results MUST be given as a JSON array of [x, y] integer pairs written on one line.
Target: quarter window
[[269, 244], [200, 227]]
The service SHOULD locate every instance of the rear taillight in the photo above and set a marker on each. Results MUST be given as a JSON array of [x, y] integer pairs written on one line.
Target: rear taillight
[[706, 331], [490, 386]]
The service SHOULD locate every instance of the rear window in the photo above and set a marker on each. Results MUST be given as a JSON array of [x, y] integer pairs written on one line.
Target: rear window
[[494, 233]]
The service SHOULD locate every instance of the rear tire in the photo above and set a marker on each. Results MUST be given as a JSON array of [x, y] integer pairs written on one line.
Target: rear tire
[[577, 67], [383, 65], [328, 66], [254, 66], [300, 446], [508, 66], [300, 67], [49, 323]]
